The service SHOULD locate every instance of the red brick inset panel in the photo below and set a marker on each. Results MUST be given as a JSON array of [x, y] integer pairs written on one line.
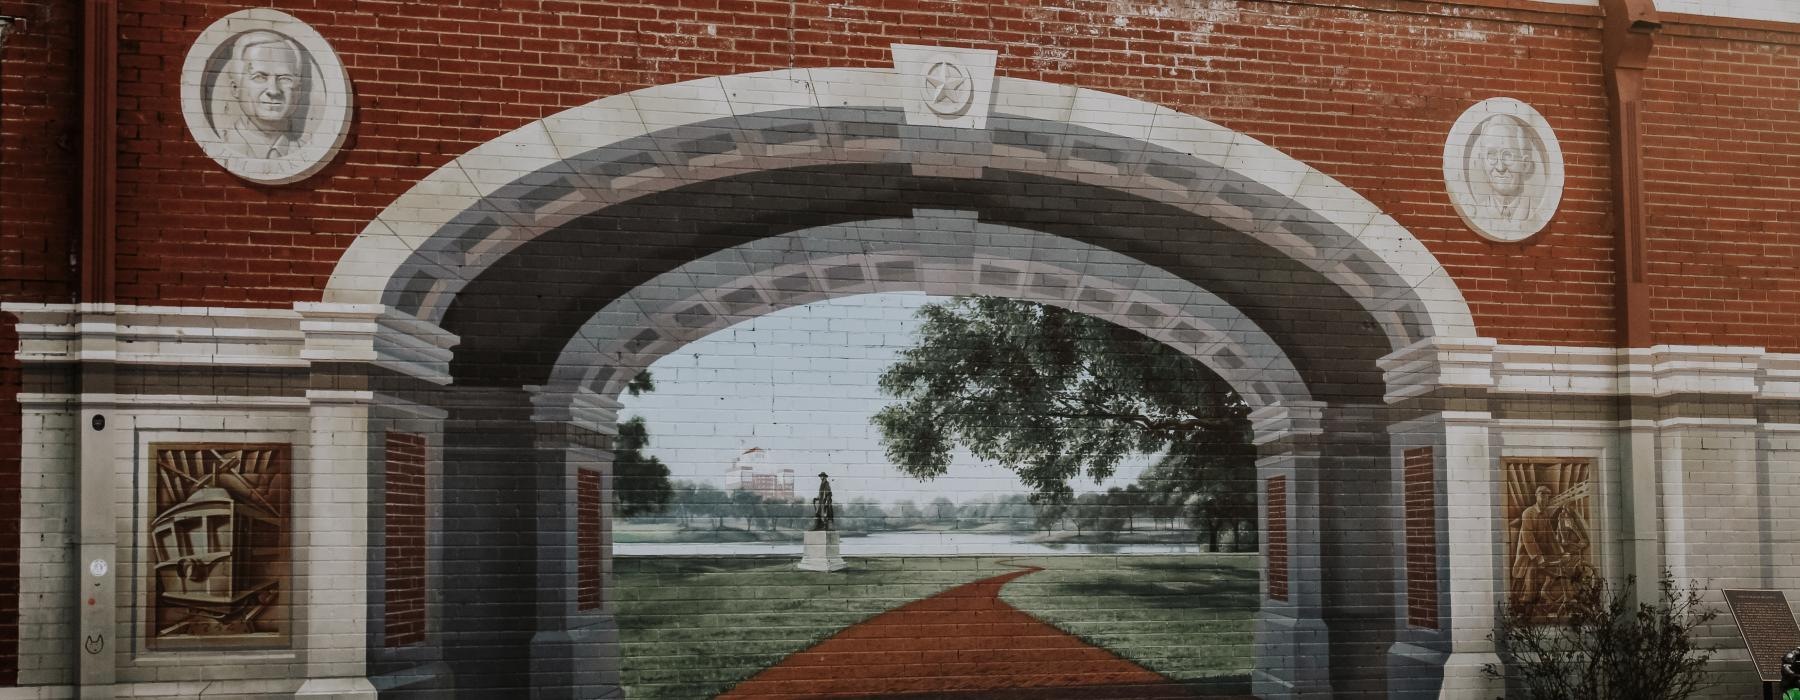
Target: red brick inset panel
[[587, 540], [1278, 538], [1420, 492], [405, 619]]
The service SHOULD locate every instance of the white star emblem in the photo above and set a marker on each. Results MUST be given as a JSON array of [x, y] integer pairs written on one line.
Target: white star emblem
[[946, 88]]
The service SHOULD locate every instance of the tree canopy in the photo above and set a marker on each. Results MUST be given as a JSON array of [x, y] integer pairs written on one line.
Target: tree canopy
[[1055, 395], [642, 481]]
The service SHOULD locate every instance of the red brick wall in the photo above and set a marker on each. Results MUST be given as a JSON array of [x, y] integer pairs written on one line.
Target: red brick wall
[[405, 619], [1277, 537], [1419, 485], [1724, 207], [1364, 93], [40, 149], [588, 536]]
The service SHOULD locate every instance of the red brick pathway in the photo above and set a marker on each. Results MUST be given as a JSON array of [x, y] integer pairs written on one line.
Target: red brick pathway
[[962, 643]]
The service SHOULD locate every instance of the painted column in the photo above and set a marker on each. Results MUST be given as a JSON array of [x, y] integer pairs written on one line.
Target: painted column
[[1441, 387], [1293, 657], [331, 508], [575, 645]]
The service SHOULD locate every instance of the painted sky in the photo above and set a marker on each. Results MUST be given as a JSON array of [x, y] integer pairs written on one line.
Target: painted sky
[[801, 384]]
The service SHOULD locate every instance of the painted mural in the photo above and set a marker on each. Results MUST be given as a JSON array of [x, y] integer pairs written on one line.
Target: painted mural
[[219, 545], [804, 545], [1549, 536]]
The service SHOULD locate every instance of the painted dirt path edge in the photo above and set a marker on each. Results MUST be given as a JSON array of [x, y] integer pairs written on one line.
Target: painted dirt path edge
[[962, 643]]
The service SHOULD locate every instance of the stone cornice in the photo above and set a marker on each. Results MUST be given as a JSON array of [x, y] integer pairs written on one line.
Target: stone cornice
[[222, 337], [1434, 365]]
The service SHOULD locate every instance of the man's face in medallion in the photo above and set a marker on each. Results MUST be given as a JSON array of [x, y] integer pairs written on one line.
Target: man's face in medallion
[[1505, 155], [267, 81]]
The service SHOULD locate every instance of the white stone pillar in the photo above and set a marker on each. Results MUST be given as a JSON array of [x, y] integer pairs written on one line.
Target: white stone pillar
[[331, 506], [1292, 645], [1475, 559], [1442, 385]]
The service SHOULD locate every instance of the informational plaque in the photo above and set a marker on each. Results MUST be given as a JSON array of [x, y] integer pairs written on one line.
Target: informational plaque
[[1766, 623]]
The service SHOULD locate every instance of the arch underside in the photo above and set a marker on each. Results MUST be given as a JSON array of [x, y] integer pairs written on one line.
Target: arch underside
[[1017, 172], [516, 316], [941, 252]]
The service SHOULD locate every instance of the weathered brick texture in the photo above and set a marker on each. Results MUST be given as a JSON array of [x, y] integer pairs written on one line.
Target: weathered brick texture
[[1363, 93], [1724, 254], [1277, 537], [405, 519], [40, 147], [1420, 491], [588, 534]]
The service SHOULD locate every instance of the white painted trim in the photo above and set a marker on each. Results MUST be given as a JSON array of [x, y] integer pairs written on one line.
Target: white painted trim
[[1654, 372], [1569, 425], [191, 401], [161, 335], [1759, 10], [374, 259], [1762, 10], [1276, 421]]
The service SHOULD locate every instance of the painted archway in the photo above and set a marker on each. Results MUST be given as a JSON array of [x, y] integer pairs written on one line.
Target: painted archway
[[516, 280]]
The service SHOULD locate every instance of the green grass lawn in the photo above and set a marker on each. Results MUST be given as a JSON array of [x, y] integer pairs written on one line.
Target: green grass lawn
[[1187, 617], [693, 627]]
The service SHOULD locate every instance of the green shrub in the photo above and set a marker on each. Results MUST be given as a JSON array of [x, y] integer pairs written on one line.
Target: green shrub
[[1603, 646]]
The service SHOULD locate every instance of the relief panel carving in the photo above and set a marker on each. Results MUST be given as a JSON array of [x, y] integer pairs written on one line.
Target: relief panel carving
[[1549, 537], [220, 570]]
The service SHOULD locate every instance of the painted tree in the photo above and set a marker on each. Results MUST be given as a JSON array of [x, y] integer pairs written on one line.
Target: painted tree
[[1057, 396], [642, 481]]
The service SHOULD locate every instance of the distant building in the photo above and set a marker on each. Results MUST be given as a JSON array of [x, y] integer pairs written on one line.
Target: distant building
[[751, 472]]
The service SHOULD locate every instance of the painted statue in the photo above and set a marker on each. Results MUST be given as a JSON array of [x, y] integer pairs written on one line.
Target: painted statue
[[823, 513]]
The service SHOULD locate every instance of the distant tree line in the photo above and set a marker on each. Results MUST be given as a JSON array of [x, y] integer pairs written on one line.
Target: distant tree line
[[1133, 508]]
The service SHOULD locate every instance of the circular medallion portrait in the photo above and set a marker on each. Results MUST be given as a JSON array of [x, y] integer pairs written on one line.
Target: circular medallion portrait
[[1504, 169], [265, 96]]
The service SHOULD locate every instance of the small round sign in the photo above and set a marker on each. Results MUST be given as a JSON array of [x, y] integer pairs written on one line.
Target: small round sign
[[97, 567]]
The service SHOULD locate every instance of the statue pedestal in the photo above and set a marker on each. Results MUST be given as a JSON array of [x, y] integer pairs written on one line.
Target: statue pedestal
[[822, 552]]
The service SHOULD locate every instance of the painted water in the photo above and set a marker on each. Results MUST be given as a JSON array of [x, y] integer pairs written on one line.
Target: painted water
[[902, 544]]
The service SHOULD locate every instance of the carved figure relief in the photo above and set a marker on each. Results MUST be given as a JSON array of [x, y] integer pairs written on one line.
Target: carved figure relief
[[1549, 539], [265, 96], [1504, 169], [219, 563]]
